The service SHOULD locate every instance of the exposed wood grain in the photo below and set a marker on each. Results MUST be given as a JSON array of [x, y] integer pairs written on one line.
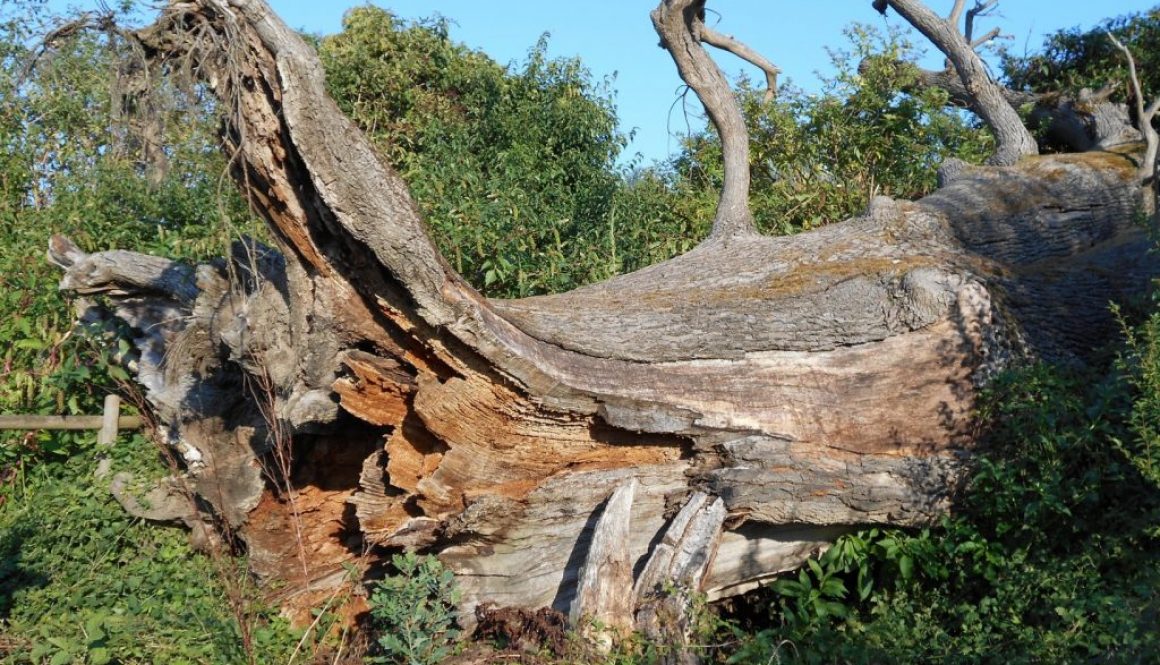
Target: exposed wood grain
[[603, 594], [687, 548], [803, 385]]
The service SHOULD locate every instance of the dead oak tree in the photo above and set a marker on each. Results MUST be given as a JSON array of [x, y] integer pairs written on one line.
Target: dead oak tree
[[711, 419]]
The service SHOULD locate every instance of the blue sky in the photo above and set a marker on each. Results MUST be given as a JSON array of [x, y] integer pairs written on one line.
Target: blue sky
[[616, 37]]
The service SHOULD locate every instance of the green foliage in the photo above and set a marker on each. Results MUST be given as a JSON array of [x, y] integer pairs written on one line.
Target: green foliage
[[1141, 364], [413, 612], [1051, 558], [1074, 59], [513, 169], [818, 158]]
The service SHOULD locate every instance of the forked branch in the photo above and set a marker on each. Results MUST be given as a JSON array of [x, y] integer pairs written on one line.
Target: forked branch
[[1144, 116], [981, 8], [1013, 138], [681, 26]]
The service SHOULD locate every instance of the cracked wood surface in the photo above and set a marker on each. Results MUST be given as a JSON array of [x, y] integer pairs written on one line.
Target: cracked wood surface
[[812, 382]]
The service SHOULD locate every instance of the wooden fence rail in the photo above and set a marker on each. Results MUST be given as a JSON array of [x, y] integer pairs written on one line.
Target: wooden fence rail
[[108, 422]]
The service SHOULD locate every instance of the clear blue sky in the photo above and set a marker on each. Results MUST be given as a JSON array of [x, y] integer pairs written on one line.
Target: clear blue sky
[[616, 37]]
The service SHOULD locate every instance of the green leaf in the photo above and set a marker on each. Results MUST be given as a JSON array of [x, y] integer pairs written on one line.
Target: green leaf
[[99, 656], [906, 566], [816, 567], [834, 588]]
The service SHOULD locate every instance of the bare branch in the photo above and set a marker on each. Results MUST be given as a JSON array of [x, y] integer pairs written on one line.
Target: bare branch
[[993, 34], [956, 12], [681, 26], [981, 8], [1144, 115], [1014, 141], [741, 50]]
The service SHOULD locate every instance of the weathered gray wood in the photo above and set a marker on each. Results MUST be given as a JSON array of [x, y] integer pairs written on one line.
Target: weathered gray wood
[[603, 590], [29, 422], [109, 421], [812, 383], [527, 552], [669, 584], [1087, 121], [1144, 115], [687, 548], [680, 24]]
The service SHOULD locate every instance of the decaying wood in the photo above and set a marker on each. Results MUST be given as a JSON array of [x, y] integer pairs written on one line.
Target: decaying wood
[[675, 568], [601, 596], [686, 548], [781, 389]]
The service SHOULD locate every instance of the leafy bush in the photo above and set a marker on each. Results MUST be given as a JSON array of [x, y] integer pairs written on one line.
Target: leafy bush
[[1140, 363], [1076, 58], [413, 612], [1051, 558], [82, 581], [514, 169]]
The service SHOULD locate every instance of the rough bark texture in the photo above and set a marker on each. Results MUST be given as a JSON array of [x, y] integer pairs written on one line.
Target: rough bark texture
[[350, 391], [681, 26], [1014, 141]]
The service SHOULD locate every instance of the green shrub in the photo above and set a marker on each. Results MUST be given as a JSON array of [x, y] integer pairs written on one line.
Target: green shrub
[[1051, 557], [413, 612]]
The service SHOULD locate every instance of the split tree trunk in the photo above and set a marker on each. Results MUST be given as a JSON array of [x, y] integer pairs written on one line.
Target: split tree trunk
[[810, 383]]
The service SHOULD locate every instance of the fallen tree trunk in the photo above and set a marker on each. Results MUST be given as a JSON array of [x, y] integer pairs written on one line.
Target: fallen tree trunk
[[350, 391]]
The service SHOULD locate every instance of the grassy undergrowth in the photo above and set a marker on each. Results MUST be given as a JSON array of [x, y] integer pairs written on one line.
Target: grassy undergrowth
[[81, 581]]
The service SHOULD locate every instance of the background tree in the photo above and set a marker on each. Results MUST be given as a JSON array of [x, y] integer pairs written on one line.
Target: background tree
[[618, 244]]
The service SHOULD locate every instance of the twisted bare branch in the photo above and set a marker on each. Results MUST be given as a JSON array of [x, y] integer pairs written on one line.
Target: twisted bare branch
[[1144, 116], [741, 50], [681, 26]]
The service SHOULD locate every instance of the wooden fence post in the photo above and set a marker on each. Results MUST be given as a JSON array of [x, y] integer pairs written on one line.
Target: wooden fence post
[[109, 421]]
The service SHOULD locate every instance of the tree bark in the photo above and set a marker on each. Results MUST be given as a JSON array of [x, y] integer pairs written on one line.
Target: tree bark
[[1013, 139], [350, 392]]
